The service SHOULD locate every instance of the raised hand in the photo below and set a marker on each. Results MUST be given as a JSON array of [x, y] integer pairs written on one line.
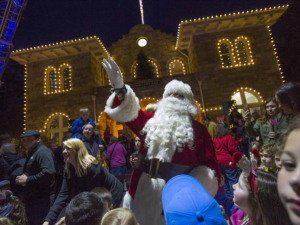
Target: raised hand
[[113, 72]]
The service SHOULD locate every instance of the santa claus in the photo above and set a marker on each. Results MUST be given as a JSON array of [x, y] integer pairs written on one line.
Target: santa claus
[[172, 143]]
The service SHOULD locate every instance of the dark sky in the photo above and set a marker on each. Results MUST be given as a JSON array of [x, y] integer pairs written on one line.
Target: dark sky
[[48, 21]]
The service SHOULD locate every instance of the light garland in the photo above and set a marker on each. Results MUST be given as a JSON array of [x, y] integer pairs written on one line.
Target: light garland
[[251, 90], [25, 95], [232, 59], [50, 117], [276, 55], [152, 61], [62, 43], [47, 82], [172, 64], [224, 16], [62, 80], [248, 51]]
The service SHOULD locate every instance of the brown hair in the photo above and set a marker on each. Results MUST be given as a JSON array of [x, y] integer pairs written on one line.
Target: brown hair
[[121, 216], [264, 116], [270, 149], [289, 95], [294, 125], [113, 139], [255, 143], [18, 213], [104, 194]]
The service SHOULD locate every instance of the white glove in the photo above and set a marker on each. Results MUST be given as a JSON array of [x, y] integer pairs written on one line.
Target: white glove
[[113, 72], [244, 164]]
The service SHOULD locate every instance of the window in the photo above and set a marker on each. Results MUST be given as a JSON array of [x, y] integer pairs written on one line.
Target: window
[[247, 96], [58, 127], [226, 54], [177, 66], [243, 51], [152, 61], [50, 80], [65, 72]]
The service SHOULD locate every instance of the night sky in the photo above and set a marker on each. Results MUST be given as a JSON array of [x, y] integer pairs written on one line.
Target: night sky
[[48, 21]]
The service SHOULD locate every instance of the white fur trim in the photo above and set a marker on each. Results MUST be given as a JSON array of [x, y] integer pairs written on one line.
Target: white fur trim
[[179, 87], [146, 205], [207, 178], [127, 111], [127, 201]]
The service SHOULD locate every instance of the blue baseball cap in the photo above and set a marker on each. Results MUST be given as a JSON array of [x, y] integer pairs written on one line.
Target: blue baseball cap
[[185, 201]]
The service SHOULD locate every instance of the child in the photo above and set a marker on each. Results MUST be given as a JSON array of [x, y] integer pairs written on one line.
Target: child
[[288, 177], [82, 120], [106, 197], [257, 200], [267, 157], [11, 207], [121, 216], [278, 153]]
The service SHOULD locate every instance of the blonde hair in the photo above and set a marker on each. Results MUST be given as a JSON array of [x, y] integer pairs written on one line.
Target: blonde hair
[[121, 216], [83, 159]]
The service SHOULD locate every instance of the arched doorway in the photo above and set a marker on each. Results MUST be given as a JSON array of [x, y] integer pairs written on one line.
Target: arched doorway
[[57, 127]]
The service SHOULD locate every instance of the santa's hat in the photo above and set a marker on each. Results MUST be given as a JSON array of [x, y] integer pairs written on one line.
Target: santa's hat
[[178, 87]]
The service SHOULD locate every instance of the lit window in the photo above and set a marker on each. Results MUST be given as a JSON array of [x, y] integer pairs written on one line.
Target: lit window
[[176, 66], [243, 51], [152, 61], [226, 54], [58, 128], [50, 80]]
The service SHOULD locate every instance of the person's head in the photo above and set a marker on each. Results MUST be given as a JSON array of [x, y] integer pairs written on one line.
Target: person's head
[[206, 120], [85, 208], [12, 207], [75, 153], [222, 130], [113, 140], [105, 196], [256, 195], [278, 153], [5, 138], [267, 156], [288, 98], [88, 131], [84, 113], [289, 176], [107, 129], [241, 122], [137, 142], [121, 216], [255, 115], [30, 139], [255, 145], [9, 148]]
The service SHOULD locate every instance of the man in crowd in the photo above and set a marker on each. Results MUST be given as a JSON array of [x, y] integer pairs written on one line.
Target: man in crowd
[[37, 178]]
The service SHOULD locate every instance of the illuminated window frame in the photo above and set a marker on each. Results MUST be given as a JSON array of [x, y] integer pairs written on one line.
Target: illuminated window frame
[[61, 81], [152, 61], [248, 50], [231, 52], [172, 61], [47, 81]]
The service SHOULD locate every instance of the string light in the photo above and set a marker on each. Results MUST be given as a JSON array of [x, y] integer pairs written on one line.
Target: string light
[[173, 64], [25, 96], [234, 14], [152, 61], [65, 80], [225, 48], [248, 58], [50, 80], [276, 55], [251, 90], [50, 117]]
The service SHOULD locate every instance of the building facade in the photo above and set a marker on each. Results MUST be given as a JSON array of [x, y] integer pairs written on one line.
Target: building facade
[[226, 57]]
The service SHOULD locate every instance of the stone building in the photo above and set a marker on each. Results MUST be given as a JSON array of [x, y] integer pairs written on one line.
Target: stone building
[[226, 57]]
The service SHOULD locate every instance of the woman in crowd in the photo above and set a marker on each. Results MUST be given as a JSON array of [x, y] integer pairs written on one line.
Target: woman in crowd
[[116, 159], [119, 217], [288, 98], [83, 173], [225, 147], [91, 139], [257, 200], [289, 175], [270, 125], [12, 208]]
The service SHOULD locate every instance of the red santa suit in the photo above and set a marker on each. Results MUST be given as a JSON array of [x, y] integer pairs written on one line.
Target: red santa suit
[[144, 194]]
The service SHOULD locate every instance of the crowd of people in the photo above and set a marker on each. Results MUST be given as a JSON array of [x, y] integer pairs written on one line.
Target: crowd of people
[[182, 172]]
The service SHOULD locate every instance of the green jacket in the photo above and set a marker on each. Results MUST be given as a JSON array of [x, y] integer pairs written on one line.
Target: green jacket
[[263, 129]]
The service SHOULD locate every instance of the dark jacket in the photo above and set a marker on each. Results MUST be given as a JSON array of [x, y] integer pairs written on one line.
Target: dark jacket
[[91, 145], [11, 158], [78, 124], [4, 167], [40, 170], [96, 176]]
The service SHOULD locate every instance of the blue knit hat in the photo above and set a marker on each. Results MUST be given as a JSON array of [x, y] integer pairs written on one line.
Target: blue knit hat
[[185, 201]]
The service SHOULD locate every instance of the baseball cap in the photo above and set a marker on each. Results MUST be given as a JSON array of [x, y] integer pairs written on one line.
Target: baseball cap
[[28, 133], [185, 201]]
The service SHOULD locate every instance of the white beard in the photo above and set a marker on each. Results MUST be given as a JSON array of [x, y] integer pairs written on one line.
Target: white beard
[[170, 128]]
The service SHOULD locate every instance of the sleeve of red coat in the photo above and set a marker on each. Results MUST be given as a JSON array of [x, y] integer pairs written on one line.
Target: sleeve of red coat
[[231, 146]]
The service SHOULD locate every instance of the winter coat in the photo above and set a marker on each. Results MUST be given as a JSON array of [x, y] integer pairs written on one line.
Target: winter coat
[[91, 145], [78, 124]]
